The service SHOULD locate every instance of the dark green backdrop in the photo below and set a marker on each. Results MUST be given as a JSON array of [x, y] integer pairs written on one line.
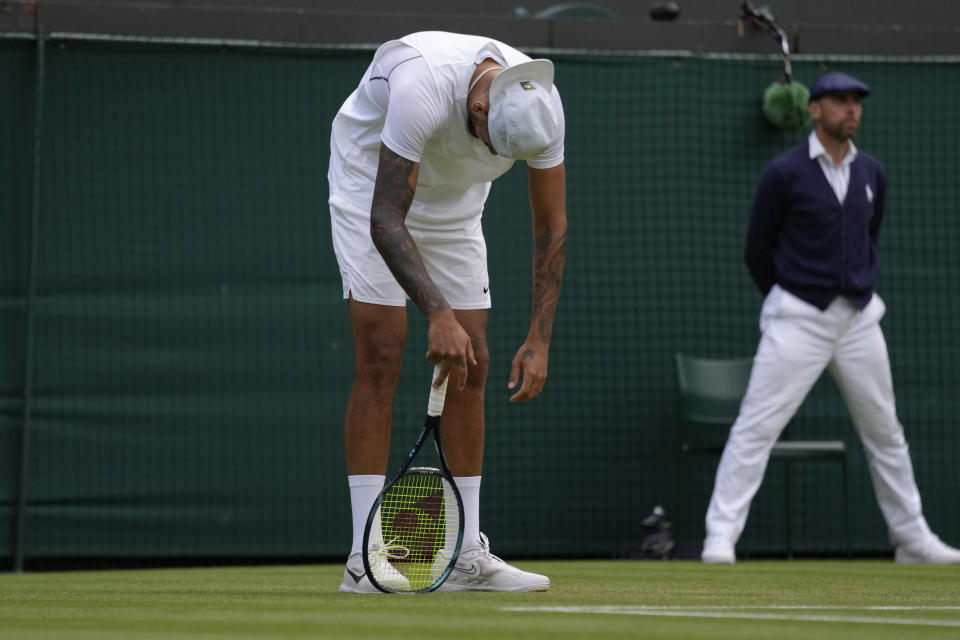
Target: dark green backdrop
[[176, 352]]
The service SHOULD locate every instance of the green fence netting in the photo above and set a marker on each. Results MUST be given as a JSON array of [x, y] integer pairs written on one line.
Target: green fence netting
[[177, 352]]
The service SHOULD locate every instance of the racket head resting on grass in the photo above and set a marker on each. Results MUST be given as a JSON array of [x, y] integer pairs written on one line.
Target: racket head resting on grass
[[415, 528]]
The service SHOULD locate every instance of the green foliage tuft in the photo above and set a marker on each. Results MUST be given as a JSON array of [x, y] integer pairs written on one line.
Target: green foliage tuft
[[785, 105]]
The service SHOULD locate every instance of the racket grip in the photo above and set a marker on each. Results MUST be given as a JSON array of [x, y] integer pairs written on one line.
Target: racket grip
[[437, 396]]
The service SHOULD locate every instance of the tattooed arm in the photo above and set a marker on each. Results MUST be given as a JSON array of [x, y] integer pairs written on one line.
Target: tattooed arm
[[448, 343], [548, 202]]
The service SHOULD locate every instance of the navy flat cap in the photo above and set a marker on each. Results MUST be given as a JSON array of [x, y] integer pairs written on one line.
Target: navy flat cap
[[837, 83]]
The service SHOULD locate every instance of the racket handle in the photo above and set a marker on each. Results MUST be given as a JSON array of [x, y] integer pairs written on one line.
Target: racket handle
[[437, 396]]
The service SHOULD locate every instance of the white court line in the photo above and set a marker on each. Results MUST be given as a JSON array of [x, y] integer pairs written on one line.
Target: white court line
[[743, 613], [818, 607]]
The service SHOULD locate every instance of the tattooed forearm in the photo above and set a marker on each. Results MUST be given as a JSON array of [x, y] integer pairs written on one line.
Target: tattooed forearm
[[392, 196], [548, 262]]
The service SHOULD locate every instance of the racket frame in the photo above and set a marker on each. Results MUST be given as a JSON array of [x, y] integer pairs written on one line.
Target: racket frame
[[430, 425]]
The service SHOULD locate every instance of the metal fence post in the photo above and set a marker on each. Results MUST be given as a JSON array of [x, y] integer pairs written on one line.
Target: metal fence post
[[20, 518]]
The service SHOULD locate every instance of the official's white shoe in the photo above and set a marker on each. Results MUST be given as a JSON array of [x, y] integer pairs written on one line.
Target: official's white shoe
[[930, 551], [479, 570], [355, 579], [717, 550]]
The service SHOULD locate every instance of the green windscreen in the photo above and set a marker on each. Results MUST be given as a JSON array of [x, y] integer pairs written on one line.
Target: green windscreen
[[189, 355]]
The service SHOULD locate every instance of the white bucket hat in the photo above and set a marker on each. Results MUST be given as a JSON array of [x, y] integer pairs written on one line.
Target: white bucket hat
[[520, 121]]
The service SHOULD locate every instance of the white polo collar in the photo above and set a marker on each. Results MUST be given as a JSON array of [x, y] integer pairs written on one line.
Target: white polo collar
[[817, 151]]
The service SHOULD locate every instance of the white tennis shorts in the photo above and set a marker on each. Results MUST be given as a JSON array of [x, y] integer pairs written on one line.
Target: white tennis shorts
[[456, 260]]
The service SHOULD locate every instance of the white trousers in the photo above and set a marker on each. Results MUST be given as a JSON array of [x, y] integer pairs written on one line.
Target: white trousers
[[798, 342]]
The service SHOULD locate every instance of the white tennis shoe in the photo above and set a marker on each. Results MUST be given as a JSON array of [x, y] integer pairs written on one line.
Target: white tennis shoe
[[479, 570], [717, 550], [931, 551], [355, 578]]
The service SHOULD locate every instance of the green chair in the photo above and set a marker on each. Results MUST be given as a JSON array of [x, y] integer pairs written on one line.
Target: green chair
[[711, 390]]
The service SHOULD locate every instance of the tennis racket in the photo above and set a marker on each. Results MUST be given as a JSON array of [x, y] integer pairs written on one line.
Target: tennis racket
[[415, 528]]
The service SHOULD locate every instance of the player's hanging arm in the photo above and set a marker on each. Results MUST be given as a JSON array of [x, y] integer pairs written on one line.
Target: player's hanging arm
[[548, 204], [448, 342]]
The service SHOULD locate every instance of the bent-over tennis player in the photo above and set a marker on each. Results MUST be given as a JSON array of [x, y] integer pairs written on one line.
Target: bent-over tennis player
[[436, 118]]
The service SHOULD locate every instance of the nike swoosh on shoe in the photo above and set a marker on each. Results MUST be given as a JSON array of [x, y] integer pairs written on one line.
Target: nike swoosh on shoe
[[470, 571], [356, 577]]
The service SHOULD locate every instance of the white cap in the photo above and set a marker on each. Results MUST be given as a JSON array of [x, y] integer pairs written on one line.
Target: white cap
[[521, 122]]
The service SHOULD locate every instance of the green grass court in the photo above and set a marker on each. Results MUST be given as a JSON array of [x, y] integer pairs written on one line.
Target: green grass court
[[846, 599]]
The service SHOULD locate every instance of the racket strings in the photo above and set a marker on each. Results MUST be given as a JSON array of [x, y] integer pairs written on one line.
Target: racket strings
[[420, 520]]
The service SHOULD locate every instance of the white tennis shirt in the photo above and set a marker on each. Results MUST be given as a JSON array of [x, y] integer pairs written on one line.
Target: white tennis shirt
[[413, 98]]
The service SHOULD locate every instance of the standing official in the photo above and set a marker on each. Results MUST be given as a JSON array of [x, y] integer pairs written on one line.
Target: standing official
[[812, 251]]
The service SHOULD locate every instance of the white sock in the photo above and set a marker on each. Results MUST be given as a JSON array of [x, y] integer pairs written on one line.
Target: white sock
[[363, 492], [469, 488]]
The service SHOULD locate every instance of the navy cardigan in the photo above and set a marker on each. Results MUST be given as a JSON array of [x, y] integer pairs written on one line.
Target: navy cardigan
[[802, 238]]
